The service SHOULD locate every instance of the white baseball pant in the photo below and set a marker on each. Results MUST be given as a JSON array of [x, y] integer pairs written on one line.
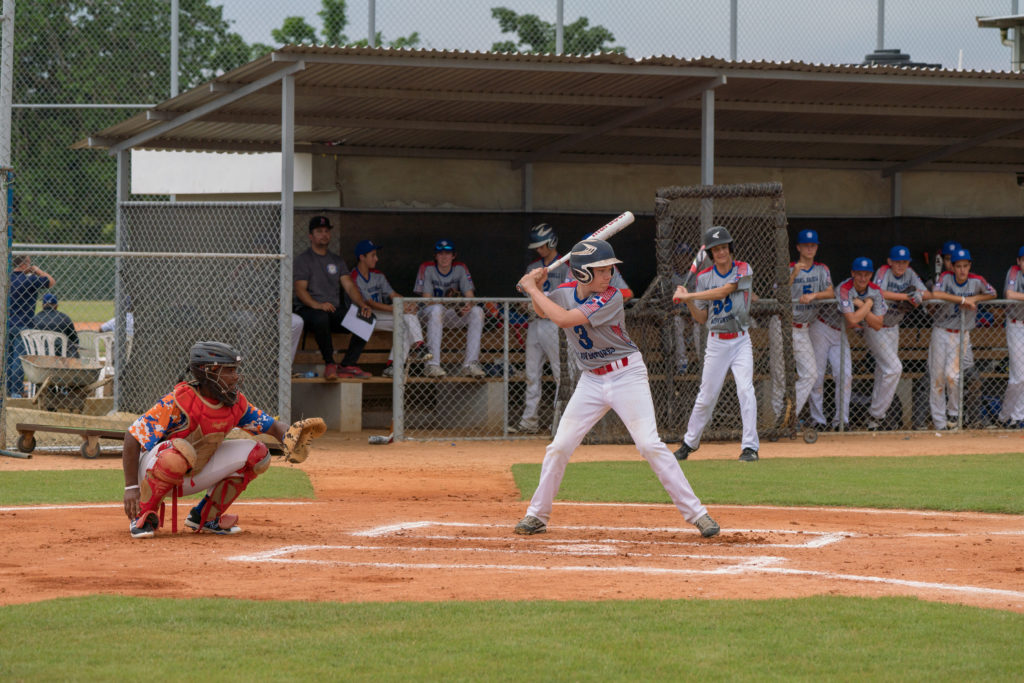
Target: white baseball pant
[[297, 324], [541, 344], [229, 458], [776, 366], [944, 368], [884, 345], [806, 367], [720, 356], [627, 392], [439, 316], [1013, 401], [830, 345], [413, 330]]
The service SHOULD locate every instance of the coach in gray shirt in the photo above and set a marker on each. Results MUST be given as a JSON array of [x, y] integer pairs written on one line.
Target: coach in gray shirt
[[318, 273]]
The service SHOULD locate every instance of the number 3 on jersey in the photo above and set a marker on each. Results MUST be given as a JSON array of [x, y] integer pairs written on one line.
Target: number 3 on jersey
[[719, 305], [585, 341]]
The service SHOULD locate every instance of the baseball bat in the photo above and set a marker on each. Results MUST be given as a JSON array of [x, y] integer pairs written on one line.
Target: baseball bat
[[697, 260], [603, 233]]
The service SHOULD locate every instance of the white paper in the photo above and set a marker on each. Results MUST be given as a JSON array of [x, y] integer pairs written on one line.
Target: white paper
[[357, 324]]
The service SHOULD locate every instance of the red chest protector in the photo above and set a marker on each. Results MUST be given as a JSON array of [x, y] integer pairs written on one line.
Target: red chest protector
[[206, 423]]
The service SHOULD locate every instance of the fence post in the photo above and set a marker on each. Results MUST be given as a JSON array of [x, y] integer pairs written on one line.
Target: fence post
[[399, 363], [960, 374]]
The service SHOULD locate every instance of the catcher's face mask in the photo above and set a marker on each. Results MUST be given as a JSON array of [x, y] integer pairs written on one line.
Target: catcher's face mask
[[221, 381]]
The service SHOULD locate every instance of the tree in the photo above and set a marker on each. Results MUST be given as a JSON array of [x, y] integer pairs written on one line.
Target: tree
[[333, 14], [538, 36]]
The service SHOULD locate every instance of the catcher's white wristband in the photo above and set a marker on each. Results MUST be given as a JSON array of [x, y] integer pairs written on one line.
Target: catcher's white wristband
[[129, 488]]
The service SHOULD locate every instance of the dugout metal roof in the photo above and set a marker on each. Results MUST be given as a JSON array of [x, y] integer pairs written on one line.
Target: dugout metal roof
[[609, 108]]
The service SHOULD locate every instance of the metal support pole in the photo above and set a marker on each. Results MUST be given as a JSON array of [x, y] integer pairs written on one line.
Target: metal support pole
[[284, 342], [504, 368], [559, 27], [733, 27], [707, 154], [841, 376], [175, 32], [6, 83], [960, 376], [527, 180], [371, 24], [399, 361], [880, 40], [896, 194], [5, 282], [120, 310]]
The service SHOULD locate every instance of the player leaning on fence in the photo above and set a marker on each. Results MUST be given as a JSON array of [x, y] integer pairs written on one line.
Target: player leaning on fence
[[1011, 413], [962, 290], [613, 376], [722, 301]]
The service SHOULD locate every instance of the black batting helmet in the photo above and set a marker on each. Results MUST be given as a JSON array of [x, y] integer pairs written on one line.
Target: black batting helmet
[[542, 234], [589, 254], [716, 235], [205, 360]]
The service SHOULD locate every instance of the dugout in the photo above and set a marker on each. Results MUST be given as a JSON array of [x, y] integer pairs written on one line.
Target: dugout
[[409, 146]]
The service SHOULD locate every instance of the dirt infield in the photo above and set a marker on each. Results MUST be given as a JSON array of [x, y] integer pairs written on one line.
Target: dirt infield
[[413, 521]]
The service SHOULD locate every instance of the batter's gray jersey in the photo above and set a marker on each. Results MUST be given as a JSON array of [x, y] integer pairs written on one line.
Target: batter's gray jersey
[[430, 281], [846, 293], [815, 279], [731, 314], [603, 338], [889, 282], [1015, 283], [374, 287], [947, 315]]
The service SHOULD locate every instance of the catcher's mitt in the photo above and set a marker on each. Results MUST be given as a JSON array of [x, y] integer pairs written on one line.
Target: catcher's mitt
[[296, 439]]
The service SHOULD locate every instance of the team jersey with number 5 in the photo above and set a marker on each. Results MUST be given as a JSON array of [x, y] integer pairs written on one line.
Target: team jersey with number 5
[[603, 338], [729, 314], [815, 279]]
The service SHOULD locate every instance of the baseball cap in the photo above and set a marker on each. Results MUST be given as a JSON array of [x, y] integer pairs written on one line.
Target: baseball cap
[[1020, 252], [863, 263], [807, 237], [899, 253], [49, 298], [443, 245], [365, 247], [319, 222], [960, 254], [949, 247]]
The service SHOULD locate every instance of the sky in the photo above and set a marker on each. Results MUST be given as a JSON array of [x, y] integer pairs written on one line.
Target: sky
[[816, 31]]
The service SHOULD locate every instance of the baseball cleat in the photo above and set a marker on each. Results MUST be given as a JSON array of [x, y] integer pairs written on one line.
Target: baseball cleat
[[421, 353], [707, 526], [389, 371], [434, 371], [683, 452], [145, 529], [524, 428], [352, 371], [473, 370], [748, 455], [213, 525], [530, 526]]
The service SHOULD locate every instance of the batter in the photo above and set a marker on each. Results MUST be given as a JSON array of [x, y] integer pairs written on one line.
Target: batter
[[614, 377], [962, 290], [725, 288]]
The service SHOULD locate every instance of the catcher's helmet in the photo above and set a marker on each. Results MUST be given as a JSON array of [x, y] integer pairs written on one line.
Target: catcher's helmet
[[205, 361], [863, 263], [590, 254], [899, 253], [543, 234], [716, 235]]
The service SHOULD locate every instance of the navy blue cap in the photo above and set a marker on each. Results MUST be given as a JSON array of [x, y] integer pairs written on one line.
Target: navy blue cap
[[319, 222], [807, 237], [365, 247], [49, 298], [443, 245], [899, 253], [949, 247], [863, 263], [1020, 252], [960, 254]]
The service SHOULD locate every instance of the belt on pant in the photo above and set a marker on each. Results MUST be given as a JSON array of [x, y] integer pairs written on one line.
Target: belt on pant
[[829, 324], [728, 335], [621, 363], [953, 331], [800, 326], [1014, 320]]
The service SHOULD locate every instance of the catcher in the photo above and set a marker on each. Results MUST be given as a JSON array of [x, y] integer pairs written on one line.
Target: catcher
[[180, 440]]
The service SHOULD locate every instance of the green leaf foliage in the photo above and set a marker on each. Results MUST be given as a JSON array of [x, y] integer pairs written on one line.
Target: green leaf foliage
[[536, 35]]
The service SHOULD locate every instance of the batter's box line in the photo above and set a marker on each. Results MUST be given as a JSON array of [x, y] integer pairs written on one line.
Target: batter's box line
[[819, 539]]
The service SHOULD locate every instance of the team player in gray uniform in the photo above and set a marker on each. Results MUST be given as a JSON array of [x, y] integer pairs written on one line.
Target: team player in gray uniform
[[962, 290], [900, 287], [1011, 413], [614, 377], [542, 334], [443, 277], [724, 288], [377, 292]]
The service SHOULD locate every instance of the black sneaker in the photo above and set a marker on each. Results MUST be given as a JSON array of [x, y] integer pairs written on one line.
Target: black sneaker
[[683, 452], [530, 525], [195, 516], [144, 527], [421, 353], [748, 455]]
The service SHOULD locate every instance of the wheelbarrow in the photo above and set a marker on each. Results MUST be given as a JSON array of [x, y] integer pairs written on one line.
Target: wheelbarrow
[[64, 383]]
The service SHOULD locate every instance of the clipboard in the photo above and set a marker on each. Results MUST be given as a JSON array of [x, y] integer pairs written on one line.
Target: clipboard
[[359, 325]]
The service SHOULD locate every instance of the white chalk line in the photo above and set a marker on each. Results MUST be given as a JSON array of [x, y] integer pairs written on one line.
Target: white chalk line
[[826, 539], [809, 508], [120, 506], [751, 565]]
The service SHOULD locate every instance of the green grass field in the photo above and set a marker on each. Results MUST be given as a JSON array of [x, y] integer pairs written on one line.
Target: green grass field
[[836, 638], [88, 311]]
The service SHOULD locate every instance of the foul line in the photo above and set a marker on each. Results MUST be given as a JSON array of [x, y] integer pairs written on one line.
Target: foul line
[[807, 508], [120, 506]]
